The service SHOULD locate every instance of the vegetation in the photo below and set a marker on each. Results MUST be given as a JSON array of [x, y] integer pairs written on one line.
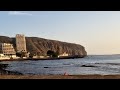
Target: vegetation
[[21, 54], [18, 54], [55, 55], [31, 55], [52, 53]]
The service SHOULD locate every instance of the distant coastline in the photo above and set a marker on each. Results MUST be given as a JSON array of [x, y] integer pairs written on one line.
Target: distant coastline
[[102, 54], [48, 58], [21, 46]]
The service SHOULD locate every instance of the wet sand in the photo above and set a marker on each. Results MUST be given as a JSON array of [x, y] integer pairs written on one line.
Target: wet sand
[[59, 76]]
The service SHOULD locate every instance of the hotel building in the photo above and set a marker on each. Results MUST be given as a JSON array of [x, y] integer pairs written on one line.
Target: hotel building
[[7, 49]]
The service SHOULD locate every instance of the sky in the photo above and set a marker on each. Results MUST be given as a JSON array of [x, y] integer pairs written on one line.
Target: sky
[[97, 31]]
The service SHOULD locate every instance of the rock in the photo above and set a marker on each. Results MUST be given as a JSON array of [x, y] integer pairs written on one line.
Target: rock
[[88, 66], [40, 46], [6, 72]]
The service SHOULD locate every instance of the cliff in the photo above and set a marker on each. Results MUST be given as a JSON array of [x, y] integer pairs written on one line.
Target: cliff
[[41, 46]]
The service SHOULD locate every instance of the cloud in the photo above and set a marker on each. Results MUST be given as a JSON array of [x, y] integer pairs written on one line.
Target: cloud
[[19, 13]]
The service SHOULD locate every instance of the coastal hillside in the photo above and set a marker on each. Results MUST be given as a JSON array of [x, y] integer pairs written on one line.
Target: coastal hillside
[[40, 46]]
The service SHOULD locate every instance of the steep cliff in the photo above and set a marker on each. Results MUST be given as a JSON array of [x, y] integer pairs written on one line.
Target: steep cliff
[[41, 46]]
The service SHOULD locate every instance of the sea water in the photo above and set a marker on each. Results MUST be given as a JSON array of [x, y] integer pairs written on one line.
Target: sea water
[[91, 64]]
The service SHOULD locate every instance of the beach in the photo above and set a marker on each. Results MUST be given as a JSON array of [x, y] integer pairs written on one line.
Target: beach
[[59, 76], [91, 67]]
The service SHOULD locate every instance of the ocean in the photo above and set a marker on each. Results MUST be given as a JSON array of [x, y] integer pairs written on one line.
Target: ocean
[[91, 64]]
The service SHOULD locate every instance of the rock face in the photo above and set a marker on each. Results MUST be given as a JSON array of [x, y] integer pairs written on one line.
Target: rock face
[[41, 46]]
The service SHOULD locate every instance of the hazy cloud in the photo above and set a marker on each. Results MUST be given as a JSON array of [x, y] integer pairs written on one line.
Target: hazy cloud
[[19, 13]]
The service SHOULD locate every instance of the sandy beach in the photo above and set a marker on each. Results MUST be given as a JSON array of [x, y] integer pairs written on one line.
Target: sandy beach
[[59, 77]]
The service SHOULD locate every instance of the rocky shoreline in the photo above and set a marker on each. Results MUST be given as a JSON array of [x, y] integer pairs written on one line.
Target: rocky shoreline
[[6, 72]]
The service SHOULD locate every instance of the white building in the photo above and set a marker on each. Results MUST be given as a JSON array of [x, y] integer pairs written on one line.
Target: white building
[[64, 54], [7, 49]]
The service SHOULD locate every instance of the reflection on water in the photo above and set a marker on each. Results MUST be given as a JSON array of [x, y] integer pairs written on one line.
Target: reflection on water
[[95, 64]]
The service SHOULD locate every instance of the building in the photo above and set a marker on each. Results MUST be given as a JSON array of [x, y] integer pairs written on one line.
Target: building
[[7, 49], [64, 54], [20, 43], [38, 56]]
